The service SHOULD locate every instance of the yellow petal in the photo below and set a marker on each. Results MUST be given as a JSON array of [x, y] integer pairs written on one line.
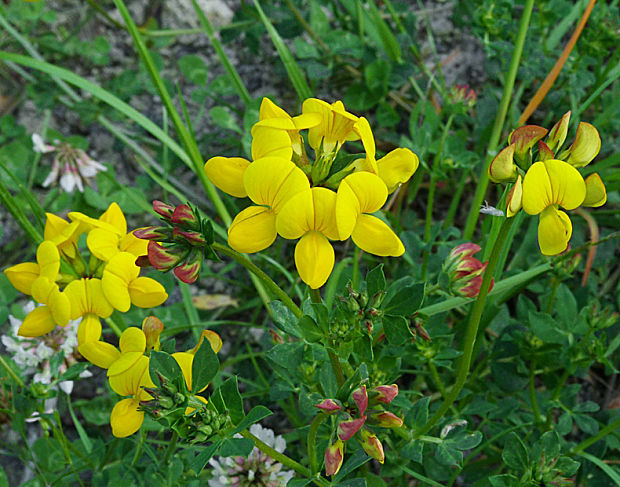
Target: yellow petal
[[321, 108], [362, 128], [347, 210], [185, 361], [125, 418], [586, 146], [118, 273], [252, 230], [306, 120], [125, 374], [502, 168], [214, 339], [557, 135], [146, 292], [102, 243], [314, 258], [89, 329], [134, 245], [269, 109], [226, 173], [297, 216], [268, 141], [62, 233], [369, 189], [554, 231], [552, 182], [596, 194], [60, 306], [114, 216], [54, 226], [76, 293], [374, 236], [22, 276], [324, 202], [42, 289], [271, 181], [133, 339], [97, 302], [515, 198], [99, 353], [396, 167], [38, 322], [48, 259]]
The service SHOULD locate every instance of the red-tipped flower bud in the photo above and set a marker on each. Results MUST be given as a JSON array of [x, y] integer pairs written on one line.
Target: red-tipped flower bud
[[163, 258], [334, 456], [163, 209], [184, 216], [152, 328], [385, 419], [346, 429], [385, 393], [152, 233], [329, 406], [189, 270], [371, 445], [193, 238], [360, 396]]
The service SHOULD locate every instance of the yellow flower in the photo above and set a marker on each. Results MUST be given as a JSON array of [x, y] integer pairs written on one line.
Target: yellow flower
[[395, 168], [39, 280], [336, 126], [122, 286], [64, 234], [310, 214], [360, 194], [269, 182], [127, 376], [547, 186]]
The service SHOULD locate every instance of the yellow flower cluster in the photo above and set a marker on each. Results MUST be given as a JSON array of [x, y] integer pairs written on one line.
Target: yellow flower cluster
[[309, 200], [67, 286], [552, 181]]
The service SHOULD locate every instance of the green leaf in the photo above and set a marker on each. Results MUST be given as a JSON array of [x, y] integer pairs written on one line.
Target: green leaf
[[505, 480], [567, 466], [417, 416], [222, 117], [396, 329], [194, 69], [386, 115], [413, 451], [88, 445], [351, 464], [254, 416], [404, 297], [236, 447], [74, 371], [309, 329], [204, 367], [201, 460], [161, 363], [4, 481], [359, 97], [545, 328], [610, 471], [447, 455], [298, 482], [515, 454], [287, 355], [466, 441], [353, 482], [232, 398], [550, 444], [373, 480], [375, 280], [390, 44], [376, 75], [284, 319]]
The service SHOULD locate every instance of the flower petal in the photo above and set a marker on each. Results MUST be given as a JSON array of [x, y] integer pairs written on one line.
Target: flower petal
[[185, 361], [226, 173], [552, 182], [133, 339], [125, 418], [103, 244], [48, 259], [297, 216], [347, 210], [118, 273], [89, 329], [99, 353], [374, 236], [268, 141], [114, 216], [369, 189], [596, 194], [586, 146], [38, 322], [515, 198], [554, 231], [396, 167], [252, 230], [22, 276], [314, 258], [125, 374], [146, 292], [272, 181]]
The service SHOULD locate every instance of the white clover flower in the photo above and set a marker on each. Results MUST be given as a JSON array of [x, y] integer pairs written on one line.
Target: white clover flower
[[257, 469], [71, 167]]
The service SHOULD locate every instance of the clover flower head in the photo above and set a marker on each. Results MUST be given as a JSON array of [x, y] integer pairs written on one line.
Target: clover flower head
[[257, 469], [71, 167]]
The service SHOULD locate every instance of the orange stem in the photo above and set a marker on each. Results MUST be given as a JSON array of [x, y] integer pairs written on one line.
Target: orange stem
[[555, 72], [594, 235]]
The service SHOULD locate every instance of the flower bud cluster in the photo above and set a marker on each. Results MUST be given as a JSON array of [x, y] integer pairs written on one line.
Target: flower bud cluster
[[359, 415], [181, 243], [465, 271], [361, 309]]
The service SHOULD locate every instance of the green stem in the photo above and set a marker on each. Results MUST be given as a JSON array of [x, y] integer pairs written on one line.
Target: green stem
[[11, 372], [171, 447], [600, 435], [437, 379], [9, 203], [114, 326], [474, 211], [139, 446], [532, 390], [471, 330], [314, 428], [554, 290], [283, 459], [431, 195], [260, 274], [456, 200]]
